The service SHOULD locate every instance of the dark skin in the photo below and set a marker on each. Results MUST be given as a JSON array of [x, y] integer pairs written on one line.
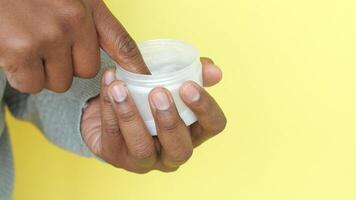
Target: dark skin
[[44, 44], [114, 131]]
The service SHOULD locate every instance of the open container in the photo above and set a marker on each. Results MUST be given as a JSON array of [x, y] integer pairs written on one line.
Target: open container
[[171, 62]]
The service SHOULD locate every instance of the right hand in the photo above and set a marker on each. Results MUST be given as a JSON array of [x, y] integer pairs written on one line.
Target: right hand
[[44, 43]]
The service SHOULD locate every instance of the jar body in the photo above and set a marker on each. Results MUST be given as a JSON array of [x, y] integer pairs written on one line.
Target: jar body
[[171, 63]]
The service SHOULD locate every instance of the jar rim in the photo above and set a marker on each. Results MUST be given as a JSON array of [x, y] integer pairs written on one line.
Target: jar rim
[[164, 76]]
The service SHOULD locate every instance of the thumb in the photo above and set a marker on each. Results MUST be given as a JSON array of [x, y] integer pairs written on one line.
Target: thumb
[[116, 41]]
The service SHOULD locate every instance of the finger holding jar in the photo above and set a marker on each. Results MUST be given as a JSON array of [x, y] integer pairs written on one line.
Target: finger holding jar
[[114, 130]]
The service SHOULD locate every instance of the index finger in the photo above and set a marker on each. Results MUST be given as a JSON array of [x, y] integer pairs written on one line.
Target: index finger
[[116, 41]]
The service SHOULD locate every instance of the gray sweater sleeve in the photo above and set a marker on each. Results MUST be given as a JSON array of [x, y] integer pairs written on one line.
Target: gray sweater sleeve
[[58, 116]]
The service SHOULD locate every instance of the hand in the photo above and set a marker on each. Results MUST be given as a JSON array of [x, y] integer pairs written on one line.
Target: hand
[[44, 43], [114, 131]]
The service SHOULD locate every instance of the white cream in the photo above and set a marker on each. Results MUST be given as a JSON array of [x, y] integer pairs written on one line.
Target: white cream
[[171, 62]]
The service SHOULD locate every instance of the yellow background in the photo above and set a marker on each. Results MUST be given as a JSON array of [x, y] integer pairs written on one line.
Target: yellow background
[[289, 92]]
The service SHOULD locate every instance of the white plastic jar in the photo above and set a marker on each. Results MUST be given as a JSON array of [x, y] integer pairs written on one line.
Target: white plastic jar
[[171, 62]]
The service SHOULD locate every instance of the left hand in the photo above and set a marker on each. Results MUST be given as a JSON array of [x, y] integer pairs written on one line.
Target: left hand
[[113, 129]]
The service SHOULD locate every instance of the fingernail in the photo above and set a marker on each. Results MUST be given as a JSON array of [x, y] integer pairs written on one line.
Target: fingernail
[[190, 92], [119, 93], [161, 100], [109, 77]]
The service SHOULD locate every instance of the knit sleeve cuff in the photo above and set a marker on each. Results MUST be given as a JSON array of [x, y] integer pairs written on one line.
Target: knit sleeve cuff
[[59, 115], [82, 91]]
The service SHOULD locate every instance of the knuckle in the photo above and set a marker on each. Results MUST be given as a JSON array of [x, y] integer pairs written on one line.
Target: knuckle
[[24, 84], [126, 46], [105, 98], [76, 13], [143, 153], [22, 46], [54, 34], [171, 125], [111, 127], [128, 116], [11, 69]]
